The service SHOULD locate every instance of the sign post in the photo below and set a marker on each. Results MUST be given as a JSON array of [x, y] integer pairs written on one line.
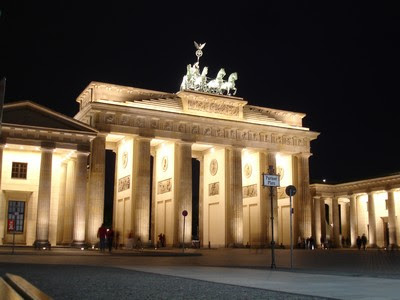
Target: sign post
[[272, 181], [184, 214], [291, 191]]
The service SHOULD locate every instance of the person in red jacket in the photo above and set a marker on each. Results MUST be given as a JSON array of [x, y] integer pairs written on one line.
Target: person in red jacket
[[102, 235]]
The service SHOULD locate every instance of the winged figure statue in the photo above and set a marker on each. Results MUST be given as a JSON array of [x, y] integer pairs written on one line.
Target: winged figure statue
[[199, 46]]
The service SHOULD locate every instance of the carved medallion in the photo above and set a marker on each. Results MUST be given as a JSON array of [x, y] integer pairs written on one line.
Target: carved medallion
[[247, 170], [124, 159], [213, 167], [164, 163]]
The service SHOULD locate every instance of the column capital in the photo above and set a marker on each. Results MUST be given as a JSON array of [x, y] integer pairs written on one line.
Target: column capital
[[370, 193], [143, 138], [303, 155], [390, 189], [83, 148], [184, 142], [47, 146]]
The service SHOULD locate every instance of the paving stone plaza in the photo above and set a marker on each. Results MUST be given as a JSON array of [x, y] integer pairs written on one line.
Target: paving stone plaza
[[207, 274]]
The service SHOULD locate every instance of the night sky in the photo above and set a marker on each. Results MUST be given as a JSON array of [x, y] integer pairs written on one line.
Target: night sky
[[337, 63]]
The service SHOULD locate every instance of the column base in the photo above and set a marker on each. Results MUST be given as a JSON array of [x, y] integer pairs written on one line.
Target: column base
[[79, 244], [393, 247], [372, 246], [42, 245], [235, 245]]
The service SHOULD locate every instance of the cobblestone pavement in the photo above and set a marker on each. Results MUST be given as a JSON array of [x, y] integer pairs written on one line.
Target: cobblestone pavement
[[75, 274], [87, 282]]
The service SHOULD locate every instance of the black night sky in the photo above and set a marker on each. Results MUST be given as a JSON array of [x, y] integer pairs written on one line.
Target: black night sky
[[337, 62]]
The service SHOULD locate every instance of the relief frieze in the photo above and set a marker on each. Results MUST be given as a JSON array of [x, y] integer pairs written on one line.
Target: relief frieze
[[195, 129], [124, 120], [168, 125], [182, 127], [250, 191], [154, 123], [219, 132], [213, 189], [215, 107], [207, 131], [164, 186], [110, 118], [140, 122], [124, 183]]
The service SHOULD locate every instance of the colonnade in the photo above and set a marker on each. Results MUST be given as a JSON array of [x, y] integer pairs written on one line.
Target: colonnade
[[182, 195], [355, 211]]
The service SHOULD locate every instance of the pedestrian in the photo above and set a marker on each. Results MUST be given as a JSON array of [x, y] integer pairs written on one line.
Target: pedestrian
[[139, 243], [129, 243], [299, 242], [163, 240], [110, 238], [102, 235], [364, 241], [358, 242]]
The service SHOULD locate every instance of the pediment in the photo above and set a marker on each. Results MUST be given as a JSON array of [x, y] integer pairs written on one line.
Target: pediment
[[29, 114]]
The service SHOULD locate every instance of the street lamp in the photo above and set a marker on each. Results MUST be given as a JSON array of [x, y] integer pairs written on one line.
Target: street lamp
[[291, 191]]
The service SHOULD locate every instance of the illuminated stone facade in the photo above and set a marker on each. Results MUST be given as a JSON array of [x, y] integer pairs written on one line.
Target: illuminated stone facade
[[234, 143], [344, 211], [43, 161], [53, 174]]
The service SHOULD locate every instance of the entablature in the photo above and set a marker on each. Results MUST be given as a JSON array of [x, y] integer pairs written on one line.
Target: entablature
[[109, 118]]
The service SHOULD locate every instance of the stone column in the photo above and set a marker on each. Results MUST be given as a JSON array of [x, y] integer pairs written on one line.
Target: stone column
[[265, 205], [1, 161], [61, 203], [44, 195], [271, 161], [80, 199], [317, 223], [153, 199], [336, 223], [141, 188], [353, 220], [235, 201], [183, 192], [68, 208], [201, 202], [371, 220], [302, 198], [392, 220], [96, 188], [2, 201], [323, 218]]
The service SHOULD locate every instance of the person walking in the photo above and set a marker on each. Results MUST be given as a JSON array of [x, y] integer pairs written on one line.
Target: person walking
[[358, 242], [110, 238], [364, 241], [102, 235]]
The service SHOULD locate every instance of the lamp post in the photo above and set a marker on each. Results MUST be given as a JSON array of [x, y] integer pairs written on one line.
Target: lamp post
[[271, 180], [291, 191], [184, 214]]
